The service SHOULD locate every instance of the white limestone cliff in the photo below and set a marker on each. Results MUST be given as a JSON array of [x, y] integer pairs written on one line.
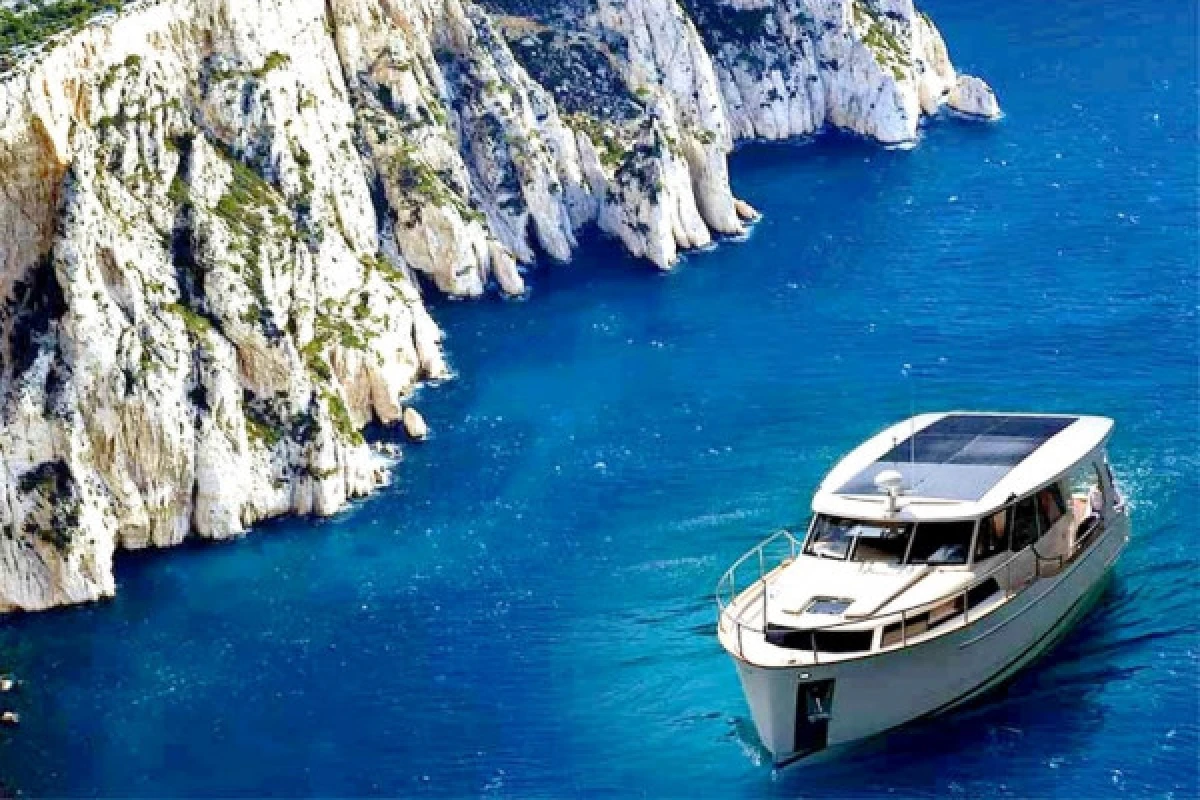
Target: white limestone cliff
[[213, 213], [792, 67]]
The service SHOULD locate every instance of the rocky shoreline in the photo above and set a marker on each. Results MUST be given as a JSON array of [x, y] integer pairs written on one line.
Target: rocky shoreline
[[213, 215]]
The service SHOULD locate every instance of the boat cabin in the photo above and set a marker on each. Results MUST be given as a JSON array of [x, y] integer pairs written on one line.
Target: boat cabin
[[1017, 474]]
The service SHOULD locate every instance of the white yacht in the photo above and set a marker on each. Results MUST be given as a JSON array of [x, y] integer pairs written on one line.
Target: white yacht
[[943, 555]]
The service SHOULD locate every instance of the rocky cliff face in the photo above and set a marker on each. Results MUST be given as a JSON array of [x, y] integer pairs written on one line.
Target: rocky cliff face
[[212, 213]]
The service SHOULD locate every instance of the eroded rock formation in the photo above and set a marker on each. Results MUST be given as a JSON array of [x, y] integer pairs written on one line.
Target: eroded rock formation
[[212, 212]]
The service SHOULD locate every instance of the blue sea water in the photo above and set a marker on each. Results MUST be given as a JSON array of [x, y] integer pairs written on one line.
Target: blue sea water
[[528, 611]]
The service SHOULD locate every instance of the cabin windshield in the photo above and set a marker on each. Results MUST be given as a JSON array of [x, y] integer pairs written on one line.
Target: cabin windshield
[[934, 543], [857, 540]]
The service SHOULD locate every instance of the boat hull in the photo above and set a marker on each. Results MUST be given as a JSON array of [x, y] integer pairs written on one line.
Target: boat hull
[[806, 710]]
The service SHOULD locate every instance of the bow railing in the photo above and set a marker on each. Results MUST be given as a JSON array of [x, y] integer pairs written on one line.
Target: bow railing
[[750, 572]]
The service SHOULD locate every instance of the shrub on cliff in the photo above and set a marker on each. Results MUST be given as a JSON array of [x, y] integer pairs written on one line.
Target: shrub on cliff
[[35, 25]]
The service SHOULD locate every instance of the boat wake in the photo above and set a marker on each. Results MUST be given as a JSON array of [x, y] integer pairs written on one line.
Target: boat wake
[[741, 731]]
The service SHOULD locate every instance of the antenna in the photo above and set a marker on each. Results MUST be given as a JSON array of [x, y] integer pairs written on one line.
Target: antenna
[[907, 372], [890, 482]]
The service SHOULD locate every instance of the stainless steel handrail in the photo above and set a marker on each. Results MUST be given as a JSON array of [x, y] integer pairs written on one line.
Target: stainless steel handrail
[[727, 585], [727, 582]]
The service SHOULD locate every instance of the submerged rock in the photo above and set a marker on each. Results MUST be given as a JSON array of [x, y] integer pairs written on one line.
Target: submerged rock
[[389, 449]]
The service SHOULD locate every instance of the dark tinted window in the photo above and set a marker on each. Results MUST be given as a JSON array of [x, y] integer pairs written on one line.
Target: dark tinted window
[[881, 544], [1050, 506], [977, 594], [941, 542], [825, 641], [1024, 524], [993, 535]]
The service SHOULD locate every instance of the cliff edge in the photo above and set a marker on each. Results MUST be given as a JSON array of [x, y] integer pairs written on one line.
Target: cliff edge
[[212, 214]]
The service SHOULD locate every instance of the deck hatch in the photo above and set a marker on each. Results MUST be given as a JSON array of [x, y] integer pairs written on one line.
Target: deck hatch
[[961, 456], [828, 605]]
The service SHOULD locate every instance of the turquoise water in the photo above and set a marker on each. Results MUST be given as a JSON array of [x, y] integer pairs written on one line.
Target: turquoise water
[[528, 611]]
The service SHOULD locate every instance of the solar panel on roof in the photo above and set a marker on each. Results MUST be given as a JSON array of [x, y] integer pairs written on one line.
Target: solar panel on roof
[[961, 456]]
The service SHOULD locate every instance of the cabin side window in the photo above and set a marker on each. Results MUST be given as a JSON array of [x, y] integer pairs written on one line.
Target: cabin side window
[[1024, 524], [1050, 506], [1088, 496], [993, 535], [942, 542]]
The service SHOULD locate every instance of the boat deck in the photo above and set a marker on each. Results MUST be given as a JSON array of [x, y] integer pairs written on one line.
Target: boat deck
[[799, 613], [937, 608]]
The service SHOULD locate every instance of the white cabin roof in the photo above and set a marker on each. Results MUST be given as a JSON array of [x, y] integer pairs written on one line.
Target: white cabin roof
[[959, 464]]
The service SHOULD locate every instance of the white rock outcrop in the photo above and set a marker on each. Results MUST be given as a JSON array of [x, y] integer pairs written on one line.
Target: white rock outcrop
[[973, 97], [792, 67], [414, 425], [213, 213]]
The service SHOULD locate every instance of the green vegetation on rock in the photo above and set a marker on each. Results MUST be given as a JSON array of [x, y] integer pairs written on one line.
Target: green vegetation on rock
[[313, 354], [256, 217], [274, 60], [197, 324], [247, 192], [608, 145], [178, 193], [881, 40], [426, 186], [378, 263], [418, 177], [341, 418], [261, 429], [34, 24]]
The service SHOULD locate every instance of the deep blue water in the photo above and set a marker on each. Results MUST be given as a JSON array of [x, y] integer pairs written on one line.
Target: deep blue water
[[528, 612]]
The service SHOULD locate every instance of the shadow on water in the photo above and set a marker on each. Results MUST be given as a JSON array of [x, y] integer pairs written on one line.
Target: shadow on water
[[599, 260]]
